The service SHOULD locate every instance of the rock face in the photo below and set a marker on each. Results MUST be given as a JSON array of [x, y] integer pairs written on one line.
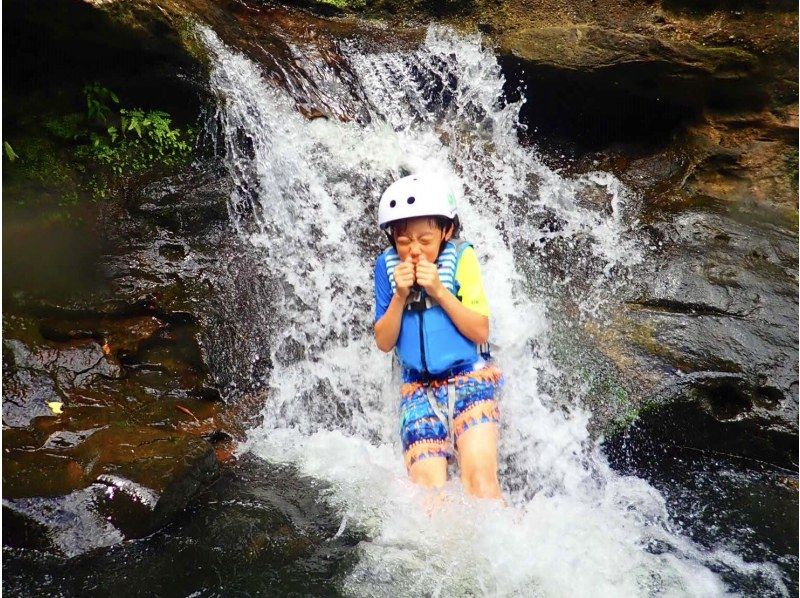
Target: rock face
[[588, 48], [696, 110], [258, 531], [716, 321], [96, 439], [112, 418], [34, 374], [138, 479]]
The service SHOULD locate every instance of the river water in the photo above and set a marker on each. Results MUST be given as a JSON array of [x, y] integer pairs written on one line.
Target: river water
[[556, 252]]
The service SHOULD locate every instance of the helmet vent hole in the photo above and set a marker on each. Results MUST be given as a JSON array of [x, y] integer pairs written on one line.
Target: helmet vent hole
[[392, 203], [410, 200]]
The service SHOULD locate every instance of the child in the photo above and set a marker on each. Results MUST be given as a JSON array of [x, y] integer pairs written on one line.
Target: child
[[430, 307]]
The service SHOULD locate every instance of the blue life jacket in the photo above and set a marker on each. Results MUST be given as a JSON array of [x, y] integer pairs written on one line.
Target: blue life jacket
[[429, 342]]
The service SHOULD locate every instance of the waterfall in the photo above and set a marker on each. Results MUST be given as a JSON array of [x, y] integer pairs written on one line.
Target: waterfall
[[306, 194]]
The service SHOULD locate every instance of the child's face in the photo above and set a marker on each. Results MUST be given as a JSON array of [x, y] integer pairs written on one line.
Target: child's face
[[420, 236]]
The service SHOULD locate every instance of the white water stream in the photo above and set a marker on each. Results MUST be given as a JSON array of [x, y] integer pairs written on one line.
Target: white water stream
[[307, 194]]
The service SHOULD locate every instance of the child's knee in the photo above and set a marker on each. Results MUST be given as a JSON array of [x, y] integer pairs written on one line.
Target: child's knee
[[481, 482], [429, 473]]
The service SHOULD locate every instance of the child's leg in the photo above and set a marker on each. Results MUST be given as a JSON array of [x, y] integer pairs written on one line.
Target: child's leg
[[430, 472], [477, 455], [424, 438], [476, 423]]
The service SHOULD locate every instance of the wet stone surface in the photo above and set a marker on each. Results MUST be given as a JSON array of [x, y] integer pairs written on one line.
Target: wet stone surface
[[112, 419], [139, 479], [729, 486], [107, 412], [258, 530], [717, 318]]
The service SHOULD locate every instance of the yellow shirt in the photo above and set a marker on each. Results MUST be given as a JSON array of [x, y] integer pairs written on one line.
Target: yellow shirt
[[470, 284]]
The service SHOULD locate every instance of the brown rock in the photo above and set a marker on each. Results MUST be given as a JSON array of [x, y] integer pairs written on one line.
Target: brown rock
[[116, 483]]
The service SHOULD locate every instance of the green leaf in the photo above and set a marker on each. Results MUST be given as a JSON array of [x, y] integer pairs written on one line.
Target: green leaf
[[10, 153]]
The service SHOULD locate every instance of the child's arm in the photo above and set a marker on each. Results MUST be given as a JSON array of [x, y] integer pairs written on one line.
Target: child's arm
[[470, 323], [387, 328]]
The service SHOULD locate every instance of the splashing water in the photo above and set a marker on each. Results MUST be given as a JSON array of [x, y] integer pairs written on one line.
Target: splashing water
[[306, 195]]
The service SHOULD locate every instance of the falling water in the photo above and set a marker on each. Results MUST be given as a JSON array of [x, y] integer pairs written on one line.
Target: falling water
[[306, 195]]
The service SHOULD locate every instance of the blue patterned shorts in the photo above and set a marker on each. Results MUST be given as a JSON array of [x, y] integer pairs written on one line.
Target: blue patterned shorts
[[424, 434]]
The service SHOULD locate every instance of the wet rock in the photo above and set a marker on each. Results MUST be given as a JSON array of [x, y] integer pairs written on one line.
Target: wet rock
[[37, 374], [260, 530], [121, 349], [159, 469], [621, 87], [68, 524], [40, 472], [589, 48], [112, 485], [185, 203], [603, 73], [75, 363], [745, 159], [717, 321], [120, 333], [25, 395], [745, 162]]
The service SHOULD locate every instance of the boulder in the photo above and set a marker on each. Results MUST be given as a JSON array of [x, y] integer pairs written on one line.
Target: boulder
[[39, 373], [588, 47], [715, 321], [116, 484]]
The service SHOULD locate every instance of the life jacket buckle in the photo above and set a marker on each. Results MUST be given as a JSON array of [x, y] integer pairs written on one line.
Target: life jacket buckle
[[417, 301]]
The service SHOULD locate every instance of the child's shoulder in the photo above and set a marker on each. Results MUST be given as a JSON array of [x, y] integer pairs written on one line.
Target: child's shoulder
[[388, 253], [387, 259], [460, 245]]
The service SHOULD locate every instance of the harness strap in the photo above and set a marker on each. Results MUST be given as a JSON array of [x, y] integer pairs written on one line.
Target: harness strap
[[451, 405], [416, 302]]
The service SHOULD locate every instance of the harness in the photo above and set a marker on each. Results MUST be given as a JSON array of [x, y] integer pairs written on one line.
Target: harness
[[451, 405]]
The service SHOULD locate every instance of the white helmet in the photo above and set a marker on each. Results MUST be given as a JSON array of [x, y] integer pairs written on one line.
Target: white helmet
[[414, 196]]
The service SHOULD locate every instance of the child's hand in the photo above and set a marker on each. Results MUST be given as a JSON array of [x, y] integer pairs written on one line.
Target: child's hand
[[404, 277], [428, 277]]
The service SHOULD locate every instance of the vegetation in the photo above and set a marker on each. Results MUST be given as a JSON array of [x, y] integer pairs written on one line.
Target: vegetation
[[10, 153], [105, 144], [344, 4], [40, 175]]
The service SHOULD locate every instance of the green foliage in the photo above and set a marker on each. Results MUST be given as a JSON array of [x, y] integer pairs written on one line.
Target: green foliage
[[42, 172], [344, 4], [10, 153], [98, 149], [97, 100], [142, 140], [70, 127], [115, 143]]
